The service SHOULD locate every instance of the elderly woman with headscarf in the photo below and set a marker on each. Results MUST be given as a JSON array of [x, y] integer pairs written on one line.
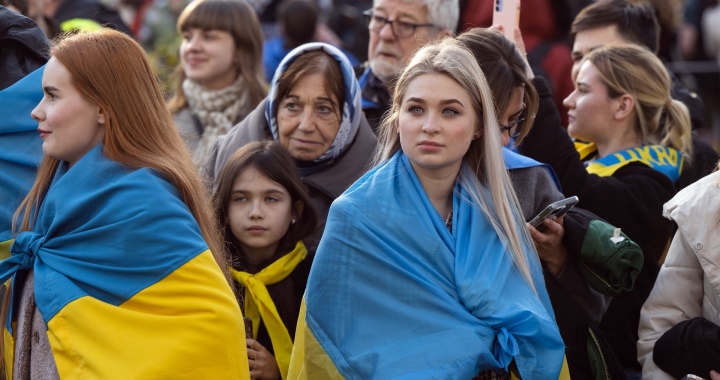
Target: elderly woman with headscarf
[[314, 110]]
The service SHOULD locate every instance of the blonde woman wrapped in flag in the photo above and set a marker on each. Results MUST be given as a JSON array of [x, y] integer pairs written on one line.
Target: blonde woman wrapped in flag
[[425, 269], [117, 271]]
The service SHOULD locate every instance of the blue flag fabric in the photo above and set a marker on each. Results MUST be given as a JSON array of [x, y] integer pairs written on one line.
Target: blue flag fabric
[[514, 160], [103, 230], [20, 145], [394, 294]]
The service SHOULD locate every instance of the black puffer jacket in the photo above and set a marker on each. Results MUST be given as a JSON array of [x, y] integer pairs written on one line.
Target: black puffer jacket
[[23, 47]]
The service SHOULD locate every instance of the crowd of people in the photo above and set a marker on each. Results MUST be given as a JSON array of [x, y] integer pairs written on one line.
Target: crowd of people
[[285, 211]]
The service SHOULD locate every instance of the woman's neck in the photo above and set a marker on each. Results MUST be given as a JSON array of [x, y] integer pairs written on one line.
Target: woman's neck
[[255, 256], [618, 142], [438, 185]]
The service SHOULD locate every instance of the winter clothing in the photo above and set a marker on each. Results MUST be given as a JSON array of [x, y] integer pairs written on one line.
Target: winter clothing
[[345, 161], [630, 199], [216, 111], [688, 284], [23, 47], [579, 294]]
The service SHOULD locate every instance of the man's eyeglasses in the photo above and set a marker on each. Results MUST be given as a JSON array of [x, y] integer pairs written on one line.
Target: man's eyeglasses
[[400, 29]]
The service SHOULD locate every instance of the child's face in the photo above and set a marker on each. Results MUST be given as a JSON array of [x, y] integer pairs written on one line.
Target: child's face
[[259, 212]]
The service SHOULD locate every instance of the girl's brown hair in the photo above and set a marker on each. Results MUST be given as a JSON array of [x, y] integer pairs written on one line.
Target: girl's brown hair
[[633, 70], [504, 69], [111, 70], [238, 18], [275, 163]]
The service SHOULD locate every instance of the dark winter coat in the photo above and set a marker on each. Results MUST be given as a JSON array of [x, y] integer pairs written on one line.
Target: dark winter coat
[[631, 199]]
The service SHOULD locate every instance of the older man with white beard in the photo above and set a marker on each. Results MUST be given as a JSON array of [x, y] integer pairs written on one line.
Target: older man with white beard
[[398, 28]]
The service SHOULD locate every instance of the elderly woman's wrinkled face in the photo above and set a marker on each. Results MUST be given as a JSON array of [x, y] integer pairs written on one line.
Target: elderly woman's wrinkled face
[[308, 119]]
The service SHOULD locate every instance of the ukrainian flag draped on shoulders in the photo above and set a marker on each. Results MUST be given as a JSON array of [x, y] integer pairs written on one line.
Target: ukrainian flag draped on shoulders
[[664, 159], [124, 281], [393, 294], [20, 149]]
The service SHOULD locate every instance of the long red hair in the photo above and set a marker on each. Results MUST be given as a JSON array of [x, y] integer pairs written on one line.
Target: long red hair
[[111, 70]]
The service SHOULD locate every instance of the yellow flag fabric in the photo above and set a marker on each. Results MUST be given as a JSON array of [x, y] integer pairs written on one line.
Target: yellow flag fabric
[[259, 305], [91, 339], [5, 249], [663, 159]]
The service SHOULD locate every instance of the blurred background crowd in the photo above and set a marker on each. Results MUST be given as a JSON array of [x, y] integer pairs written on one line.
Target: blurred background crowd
[[689, 41]]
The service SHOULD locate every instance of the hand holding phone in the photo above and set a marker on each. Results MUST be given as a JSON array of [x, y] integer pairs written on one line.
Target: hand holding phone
[[553, 211]]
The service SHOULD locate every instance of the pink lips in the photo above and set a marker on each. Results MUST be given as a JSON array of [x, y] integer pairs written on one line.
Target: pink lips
[[429, 145], [256, 229], [43, 133]]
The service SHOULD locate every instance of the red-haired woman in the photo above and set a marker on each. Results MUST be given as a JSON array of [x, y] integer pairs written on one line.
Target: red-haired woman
[[116, 266]]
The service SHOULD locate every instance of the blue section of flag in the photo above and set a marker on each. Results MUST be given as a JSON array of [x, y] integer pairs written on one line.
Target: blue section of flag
[[514, 160], [104, 230], [393, 294], [20, 145]]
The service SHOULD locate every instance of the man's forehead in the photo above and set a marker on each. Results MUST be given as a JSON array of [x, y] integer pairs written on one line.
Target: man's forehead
[[414, 9], [590, 39]]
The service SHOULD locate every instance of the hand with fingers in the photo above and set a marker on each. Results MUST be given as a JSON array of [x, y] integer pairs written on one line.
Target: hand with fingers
[[262, 364], [549, 245]]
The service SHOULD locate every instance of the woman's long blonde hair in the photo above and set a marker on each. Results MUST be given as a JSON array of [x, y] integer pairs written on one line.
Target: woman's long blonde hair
[[483, 165], [636, 71], [111, 70]]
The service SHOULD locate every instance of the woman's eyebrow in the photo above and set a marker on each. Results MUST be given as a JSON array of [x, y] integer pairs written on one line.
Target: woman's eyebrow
[[451, 101], [50, 88]]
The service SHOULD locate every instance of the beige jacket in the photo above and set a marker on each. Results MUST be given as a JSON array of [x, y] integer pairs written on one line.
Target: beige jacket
[[688, 285]]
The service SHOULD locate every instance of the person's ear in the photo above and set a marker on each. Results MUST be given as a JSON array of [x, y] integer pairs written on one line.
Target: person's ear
[[298, 210], [624, 106], [446, 32], [101, 116]]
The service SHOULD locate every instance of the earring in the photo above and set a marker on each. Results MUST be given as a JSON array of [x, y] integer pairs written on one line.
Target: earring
[[292, 222], [398, 132], [475, 137]]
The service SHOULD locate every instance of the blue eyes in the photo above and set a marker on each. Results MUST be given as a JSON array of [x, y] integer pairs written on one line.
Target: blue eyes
[[417, 110]]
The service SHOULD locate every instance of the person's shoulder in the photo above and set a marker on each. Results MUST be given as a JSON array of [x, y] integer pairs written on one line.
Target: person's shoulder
[[700, 198], [360, 68]]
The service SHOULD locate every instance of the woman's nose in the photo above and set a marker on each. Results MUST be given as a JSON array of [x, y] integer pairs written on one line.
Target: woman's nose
[[38, 114]]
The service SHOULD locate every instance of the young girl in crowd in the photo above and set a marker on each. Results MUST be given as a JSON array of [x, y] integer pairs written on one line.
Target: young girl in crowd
[[220, 77], [116, 268], [425, 269], [626, 173], [262, 205]]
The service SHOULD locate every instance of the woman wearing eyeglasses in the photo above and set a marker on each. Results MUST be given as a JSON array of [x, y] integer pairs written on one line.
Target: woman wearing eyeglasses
[[579, 304]]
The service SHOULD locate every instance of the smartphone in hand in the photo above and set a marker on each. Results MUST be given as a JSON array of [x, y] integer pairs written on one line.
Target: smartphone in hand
[[553, 211], [507, 14]]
